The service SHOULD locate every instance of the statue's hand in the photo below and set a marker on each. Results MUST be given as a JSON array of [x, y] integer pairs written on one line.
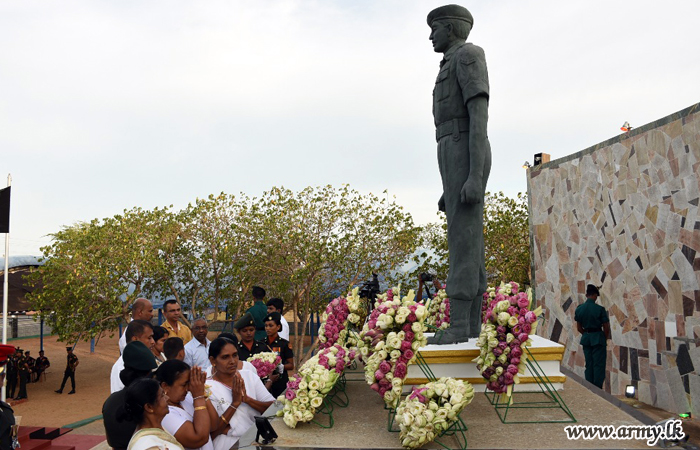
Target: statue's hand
[[472, 192], [441, 203]]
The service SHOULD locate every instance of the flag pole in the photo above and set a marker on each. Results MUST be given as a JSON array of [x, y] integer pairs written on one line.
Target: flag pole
[[5, 281], [4, 292]]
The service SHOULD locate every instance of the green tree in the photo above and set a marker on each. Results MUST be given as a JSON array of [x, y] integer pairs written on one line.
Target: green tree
[[312, 245], [507, 238], [94, 271]]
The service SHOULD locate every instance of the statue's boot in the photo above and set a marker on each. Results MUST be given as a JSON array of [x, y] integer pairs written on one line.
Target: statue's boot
[[459, 326]]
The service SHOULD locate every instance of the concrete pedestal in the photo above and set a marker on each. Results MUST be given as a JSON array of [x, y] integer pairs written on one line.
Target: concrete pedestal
[[456, 361]]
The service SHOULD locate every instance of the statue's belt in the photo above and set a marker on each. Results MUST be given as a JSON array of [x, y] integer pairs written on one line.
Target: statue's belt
[[451, 127]]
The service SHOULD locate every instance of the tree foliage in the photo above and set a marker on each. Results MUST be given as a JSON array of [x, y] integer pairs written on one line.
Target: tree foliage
[[507, 238], [305, 247]]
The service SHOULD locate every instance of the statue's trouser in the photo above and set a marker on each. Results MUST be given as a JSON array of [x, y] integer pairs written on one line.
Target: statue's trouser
[[466, 281]]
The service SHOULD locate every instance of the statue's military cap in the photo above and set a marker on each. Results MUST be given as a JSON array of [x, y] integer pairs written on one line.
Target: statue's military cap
[[246, 321], [455, 12]]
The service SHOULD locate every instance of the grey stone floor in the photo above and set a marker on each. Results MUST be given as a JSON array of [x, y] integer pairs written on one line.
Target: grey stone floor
[[364, 425]]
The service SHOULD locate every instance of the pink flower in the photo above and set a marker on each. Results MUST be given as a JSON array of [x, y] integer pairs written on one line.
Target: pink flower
[[530, 317], [516, 352], [290, 394], [527, 328], [514, 361], [497, 351], [385, 367], [375, 387], [522, 337], [409, 335], [512, 369], [400, 370], [502, 345], [405, 345], [501, 329], [512, 311], [513, 301], [407, 329], [408, 354], [523, 302], [411, 317], [508, 378], [515, 343], [516, 329]]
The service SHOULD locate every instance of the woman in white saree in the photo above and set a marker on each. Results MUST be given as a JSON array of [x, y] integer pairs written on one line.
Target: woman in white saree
[[237, 395]]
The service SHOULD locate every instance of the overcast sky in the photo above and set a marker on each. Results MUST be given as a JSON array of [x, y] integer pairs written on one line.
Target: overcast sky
[[107, 105]]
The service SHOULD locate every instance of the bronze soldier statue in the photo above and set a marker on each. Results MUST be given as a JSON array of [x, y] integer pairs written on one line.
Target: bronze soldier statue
[[460, 109]]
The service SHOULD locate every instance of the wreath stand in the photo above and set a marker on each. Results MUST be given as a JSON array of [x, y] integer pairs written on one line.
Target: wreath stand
[[456, 430], [552, 400], [325, 410]]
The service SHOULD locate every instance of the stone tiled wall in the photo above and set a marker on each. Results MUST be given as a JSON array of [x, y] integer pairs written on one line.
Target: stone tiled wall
[[624, 214]]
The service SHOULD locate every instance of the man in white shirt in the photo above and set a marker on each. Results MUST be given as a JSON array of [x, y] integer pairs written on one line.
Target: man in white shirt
[[142, 309], [197, 350], [138, 330], [277, 305]]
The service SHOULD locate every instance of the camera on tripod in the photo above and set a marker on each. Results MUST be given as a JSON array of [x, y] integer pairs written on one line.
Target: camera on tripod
[[370, 289]]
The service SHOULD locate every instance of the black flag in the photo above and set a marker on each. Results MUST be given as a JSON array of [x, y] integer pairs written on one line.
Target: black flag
[[5, 210]]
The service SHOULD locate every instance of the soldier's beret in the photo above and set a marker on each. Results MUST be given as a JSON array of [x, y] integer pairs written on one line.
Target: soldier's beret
[[5, 351], [138, 357], [246, 321], [450, 12], [275, 317], [591, 289]]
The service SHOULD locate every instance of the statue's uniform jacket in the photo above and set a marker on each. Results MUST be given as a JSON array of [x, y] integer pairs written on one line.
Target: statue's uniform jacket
[[462, 77]]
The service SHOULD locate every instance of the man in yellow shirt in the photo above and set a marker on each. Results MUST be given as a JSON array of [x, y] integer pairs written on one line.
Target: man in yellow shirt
[[172, 312]]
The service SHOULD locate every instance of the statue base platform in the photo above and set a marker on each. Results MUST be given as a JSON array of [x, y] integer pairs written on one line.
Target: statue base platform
[[456, 361]]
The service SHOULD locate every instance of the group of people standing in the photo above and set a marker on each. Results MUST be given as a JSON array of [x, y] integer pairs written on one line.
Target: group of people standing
[[172, 387], [22, 368]]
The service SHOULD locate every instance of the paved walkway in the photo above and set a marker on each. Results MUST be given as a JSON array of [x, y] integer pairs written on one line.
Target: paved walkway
[[364, 425]]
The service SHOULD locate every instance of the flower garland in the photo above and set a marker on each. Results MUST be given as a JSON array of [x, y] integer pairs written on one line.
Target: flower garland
[[265, 363], [342, 317], [439, 311], [392, 335], [310, 385], [507, 325], [431, 409]]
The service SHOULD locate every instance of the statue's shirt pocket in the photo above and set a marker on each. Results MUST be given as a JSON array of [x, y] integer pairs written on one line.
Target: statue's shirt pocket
[[442, 89]]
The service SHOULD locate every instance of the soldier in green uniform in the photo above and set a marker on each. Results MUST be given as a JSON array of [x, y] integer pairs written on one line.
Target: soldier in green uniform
[[593, 323], [247, 345], [23, 370], [8, 430], [273, 325], [71, 363], [11, 373], [259, 312]]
